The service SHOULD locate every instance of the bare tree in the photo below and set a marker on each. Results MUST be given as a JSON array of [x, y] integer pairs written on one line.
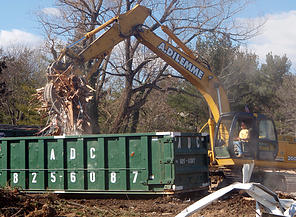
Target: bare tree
[[20, 75], [137, 68], [188, 20]]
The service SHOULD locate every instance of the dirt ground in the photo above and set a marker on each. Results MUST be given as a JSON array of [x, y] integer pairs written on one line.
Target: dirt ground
[[14, 203]]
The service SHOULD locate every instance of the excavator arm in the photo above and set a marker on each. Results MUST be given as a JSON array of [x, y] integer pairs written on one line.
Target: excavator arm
[[131, 24], [195, 72], [183, 61], [122, 28]]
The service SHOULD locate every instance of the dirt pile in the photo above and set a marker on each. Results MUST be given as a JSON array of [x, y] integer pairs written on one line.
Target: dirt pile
[[14, 203]]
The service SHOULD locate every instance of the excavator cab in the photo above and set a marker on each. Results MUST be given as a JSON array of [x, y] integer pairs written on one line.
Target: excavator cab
[[245, 135]]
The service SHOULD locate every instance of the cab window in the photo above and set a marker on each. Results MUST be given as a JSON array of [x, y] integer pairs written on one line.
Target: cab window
[[223, 132], [266, 130], [238, 126], [221, 144]]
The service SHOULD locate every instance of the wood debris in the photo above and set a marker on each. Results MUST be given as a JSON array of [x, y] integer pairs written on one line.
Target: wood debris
[[64, 99]]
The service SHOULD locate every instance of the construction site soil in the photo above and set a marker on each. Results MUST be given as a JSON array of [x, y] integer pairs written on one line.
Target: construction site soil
[[15, 203]]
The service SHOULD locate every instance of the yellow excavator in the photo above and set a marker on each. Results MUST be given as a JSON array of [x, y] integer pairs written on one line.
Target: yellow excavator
[[275, 161]]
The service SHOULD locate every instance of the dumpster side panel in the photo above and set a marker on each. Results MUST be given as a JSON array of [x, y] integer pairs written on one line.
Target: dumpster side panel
[[55, 164], [75, 163], [4, 166], [143, 163], [138, 163], [116, 163], [95, 164], [18, 155], [191, 161], [36, 157]]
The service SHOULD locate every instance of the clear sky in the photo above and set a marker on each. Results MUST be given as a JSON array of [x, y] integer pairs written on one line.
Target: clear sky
[[21, 14], [18, 22]]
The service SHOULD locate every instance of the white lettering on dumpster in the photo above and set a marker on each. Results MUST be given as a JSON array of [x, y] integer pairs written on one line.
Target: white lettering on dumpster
[[15, 178], [72, 153], [52, 156], [197, 142], [191, 160], [179, 143], [34, 176], [135, 176], [92, 177], [73, 177], [182, 161], [53, 177], [189, 142], [113, 177], [92, 153]]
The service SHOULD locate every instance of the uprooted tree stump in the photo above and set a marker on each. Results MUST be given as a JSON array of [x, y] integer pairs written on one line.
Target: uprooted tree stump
[[65, 100]]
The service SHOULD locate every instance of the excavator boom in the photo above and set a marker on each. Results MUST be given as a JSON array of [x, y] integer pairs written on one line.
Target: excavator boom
[[131, 24], [122, 28], [195, 72]]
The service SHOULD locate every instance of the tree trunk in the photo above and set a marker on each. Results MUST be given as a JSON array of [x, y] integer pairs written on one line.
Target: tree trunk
[[135, 121], [123, 109], [93, 110]]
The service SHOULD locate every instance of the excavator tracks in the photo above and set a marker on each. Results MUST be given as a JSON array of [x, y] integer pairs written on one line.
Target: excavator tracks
[[283, 181], [280, 180]]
